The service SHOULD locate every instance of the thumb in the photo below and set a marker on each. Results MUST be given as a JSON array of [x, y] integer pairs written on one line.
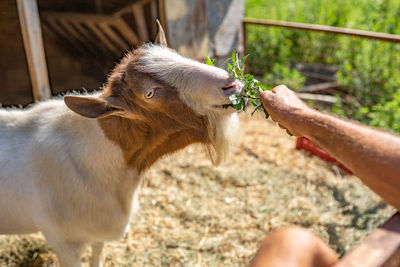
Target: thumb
[[266, 97]]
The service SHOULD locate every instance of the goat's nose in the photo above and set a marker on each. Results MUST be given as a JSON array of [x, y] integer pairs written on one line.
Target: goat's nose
[[234, 87], [231, 85]]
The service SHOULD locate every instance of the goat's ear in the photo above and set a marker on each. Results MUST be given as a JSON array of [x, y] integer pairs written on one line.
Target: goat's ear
[[161, 39], [92, 107]]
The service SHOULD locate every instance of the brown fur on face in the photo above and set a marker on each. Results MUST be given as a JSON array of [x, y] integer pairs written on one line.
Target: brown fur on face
[[150, 127], [156, 102]]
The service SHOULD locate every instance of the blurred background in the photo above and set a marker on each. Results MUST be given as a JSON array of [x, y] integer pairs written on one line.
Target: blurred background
[[363, 73], [83, 40]]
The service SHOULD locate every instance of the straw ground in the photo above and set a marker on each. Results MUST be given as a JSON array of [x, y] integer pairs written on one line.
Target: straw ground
[[194, 214]]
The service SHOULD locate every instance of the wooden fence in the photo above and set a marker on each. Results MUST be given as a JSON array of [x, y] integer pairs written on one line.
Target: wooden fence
[[318, 28]]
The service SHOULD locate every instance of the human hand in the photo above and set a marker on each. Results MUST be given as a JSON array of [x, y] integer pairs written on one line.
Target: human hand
[[284, 107]]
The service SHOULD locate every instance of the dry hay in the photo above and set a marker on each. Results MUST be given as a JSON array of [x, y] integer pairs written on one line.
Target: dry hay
[[194, 214]]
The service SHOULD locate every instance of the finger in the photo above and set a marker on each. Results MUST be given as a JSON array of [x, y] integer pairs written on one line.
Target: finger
[[265, 96], [282, 127], [279, 88]]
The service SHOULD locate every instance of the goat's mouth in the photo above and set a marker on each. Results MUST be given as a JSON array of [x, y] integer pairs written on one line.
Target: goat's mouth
[[233, 88]]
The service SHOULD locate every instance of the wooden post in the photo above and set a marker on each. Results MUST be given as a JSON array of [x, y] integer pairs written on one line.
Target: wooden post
[[394, 38], [32, 36], [244, 32]]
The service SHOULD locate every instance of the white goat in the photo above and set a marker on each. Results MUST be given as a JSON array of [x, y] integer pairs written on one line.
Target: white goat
[[72, 169]]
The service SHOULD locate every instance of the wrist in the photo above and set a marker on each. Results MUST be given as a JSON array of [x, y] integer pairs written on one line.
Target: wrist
[[315, 125], [303, 121]]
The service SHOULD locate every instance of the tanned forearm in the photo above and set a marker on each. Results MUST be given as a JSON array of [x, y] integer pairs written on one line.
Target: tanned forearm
[[373, 155]]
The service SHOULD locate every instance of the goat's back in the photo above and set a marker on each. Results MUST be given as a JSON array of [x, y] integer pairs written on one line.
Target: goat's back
[[54, 165], [18, 135]]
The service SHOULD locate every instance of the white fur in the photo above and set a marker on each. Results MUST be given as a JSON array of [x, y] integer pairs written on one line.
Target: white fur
[[60, 175], [199, 86]]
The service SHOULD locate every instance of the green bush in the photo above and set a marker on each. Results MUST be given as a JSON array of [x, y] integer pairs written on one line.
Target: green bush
[[282, 74], [384, 115], [368, 69]]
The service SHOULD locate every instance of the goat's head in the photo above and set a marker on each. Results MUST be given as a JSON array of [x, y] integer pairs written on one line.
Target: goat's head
[[165, 93]]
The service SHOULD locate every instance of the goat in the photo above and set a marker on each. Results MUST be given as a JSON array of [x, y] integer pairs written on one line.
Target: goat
[[71, 168]]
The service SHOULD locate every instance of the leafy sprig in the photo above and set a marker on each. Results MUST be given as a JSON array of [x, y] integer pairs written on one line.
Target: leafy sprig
[[251, 87]]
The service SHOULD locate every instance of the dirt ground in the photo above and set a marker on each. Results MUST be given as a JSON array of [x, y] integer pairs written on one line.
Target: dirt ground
[[195, 214]]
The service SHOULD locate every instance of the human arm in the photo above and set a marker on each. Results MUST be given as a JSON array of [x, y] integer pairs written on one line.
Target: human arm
[[372, 155]]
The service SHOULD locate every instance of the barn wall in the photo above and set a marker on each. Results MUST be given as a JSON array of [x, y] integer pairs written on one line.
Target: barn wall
[[15, 85], [200, 27], [67, 71], [195, 28], [84, 6], [224, 22]]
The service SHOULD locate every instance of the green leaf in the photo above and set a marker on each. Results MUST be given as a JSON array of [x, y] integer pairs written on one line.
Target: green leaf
[[243, 103], [233, 57], [235, 99], [257, 108], [244, 59], [209, 61], [266, 114], [237, 106], [248, 77], [251, 87]]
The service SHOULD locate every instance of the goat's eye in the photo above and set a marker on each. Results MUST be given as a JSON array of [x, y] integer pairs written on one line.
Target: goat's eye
[[150, 93]]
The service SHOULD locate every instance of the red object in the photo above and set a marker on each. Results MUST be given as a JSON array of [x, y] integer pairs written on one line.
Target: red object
[[307, 144]]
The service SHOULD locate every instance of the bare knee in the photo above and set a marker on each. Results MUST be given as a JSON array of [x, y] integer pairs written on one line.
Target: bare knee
[[293, 246], [289, 236]]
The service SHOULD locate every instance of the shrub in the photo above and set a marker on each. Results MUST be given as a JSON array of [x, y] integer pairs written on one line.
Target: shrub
[[369, 70], [384, 115], [282, 74]]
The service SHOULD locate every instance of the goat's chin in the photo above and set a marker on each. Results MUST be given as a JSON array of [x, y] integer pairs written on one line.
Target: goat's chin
[[223, 130], [223, 110]]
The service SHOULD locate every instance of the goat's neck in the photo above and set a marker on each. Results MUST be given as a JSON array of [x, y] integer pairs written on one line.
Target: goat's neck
[[143, 143]]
